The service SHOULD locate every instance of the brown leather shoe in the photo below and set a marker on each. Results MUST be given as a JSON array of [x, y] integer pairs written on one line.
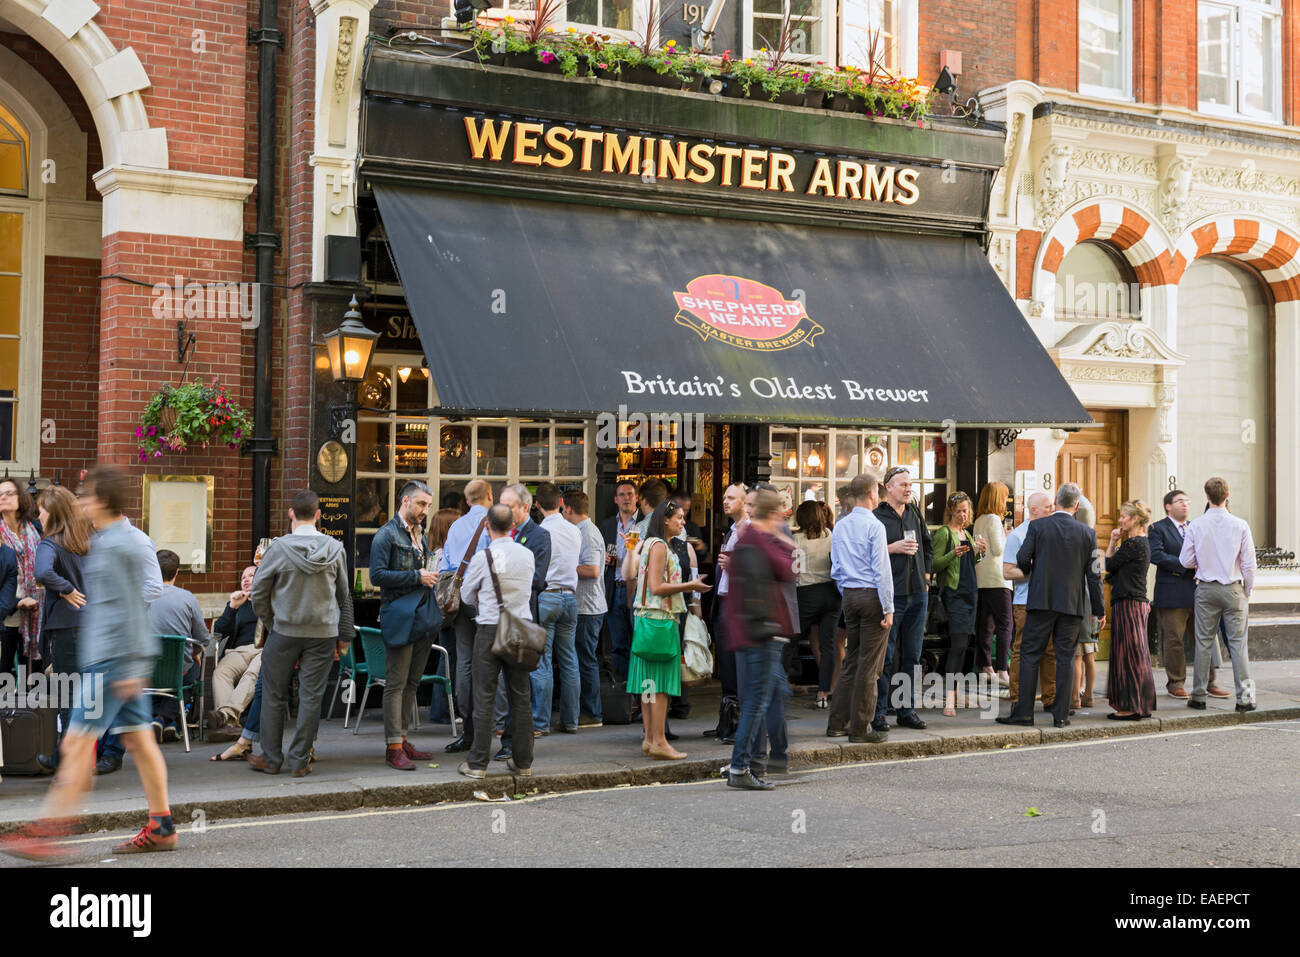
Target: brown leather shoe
[[1214, 691], [1177, 693], [409, 750], [397, 759], [230, 731], [302, 772], [258, 763]]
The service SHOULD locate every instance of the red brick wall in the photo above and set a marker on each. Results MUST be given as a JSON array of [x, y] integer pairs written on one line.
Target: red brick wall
[[199, 97], [1056, 54], [983, 31], [295, 368], [45, 64], [70, 366], [1291, 62], [1174, 40], [137, 355]]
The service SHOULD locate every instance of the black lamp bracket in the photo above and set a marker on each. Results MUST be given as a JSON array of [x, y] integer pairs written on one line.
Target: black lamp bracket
[[185, 343]]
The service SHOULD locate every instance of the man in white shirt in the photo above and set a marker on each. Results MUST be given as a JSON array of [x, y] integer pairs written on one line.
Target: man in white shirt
[[513, 565], [557, 608], [1220, 547], [592, 605]]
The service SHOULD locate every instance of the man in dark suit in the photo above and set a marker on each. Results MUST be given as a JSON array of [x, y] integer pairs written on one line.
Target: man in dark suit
[[618, 619], [537, 540], [1059, 555], [1175, 596]]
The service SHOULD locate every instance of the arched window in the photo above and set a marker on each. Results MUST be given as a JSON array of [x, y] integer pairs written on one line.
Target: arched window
[[1095, 284], [15, 146], [1225, 392]]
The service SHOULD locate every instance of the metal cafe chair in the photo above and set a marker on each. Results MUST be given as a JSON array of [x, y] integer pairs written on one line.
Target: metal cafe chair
[[375, 667], [169, 678]]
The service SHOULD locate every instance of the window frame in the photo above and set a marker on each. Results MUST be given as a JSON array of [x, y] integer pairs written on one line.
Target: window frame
[[31, 287], [943, 478], [1126, 55], [1236, 56], [829, 33]]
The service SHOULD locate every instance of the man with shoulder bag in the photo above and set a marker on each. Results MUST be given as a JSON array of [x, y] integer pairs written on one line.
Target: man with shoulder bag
[[502, 592], [408, 616], [465, 537]]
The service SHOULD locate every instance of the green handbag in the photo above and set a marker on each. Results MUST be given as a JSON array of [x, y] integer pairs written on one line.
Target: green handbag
[[654, 639]]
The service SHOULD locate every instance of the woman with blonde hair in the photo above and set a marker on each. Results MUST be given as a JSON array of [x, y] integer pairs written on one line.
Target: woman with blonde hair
[[1132, 687], [994, 610]]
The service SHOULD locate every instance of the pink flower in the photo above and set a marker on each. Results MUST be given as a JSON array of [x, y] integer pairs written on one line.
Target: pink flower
[[157, 455]]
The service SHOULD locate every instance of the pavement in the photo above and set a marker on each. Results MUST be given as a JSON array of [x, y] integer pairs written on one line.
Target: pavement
[[350, 772]]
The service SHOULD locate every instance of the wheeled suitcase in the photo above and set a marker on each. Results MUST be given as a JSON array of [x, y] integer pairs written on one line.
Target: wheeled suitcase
[[25, 733]]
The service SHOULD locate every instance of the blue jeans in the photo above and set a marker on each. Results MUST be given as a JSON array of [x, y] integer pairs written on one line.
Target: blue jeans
[[588, 638], [253, 720], [559, 616], [909, 622], [619, 622], [762, 705]]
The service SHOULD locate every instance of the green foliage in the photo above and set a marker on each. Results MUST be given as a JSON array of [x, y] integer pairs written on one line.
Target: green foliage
[[177, 419]]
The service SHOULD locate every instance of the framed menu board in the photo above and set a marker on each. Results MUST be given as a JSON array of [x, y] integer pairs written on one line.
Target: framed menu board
[[178, 516]]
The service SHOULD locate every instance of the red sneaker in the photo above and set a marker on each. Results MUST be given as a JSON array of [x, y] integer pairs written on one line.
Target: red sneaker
[[409, 750], [37, 842], [148, 840], [397, 759]]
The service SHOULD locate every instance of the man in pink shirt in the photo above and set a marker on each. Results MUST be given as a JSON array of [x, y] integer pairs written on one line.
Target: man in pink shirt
[[1220, 547]]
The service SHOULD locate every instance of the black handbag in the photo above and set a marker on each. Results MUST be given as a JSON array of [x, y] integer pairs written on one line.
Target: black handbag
[[518, 642]]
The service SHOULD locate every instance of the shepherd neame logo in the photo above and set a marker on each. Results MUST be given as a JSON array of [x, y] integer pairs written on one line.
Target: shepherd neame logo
[[75, 911], [744, 313]]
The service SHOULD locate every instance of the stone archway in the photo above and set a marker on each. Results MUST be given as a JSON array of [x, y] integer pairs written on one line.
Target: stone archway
[[110, 80], [1134, 234]]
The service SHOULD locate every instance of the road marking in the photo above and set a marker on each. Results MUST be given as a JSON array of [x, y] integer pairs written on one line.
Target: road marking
[[533, 798]]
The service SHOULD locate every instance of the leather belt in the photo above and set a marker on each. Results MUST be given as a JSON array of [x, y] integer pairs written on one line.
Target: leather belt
[[559, 588]]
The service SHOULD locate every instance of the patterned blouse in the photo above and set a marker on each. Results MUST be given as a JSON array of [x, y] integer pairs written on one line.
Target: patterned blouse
[[658, 606]]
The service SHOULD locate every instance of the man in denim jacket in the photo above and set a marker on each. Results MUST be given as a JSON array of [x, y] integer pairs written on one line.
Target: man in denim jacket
[[398, 556]]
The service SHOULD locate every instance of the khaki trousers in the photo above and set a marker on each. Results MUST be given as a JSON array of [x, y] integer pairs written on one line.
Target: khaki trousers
[[1046, 671], [234, 680]]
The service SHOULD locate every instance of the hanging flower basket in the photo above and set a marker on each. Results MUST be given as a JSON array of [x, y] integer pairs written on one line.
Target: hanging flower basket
[[189, 415]]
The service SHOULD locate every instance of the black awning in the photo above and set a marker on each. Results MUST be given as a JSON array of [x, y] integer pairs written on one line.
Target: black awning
[[534, 306]]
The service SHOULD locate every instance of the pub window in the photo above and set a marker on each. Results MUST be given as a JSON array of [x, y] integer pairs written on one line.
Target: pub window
[[813, 463], [1239, 58], [608, 14], [812, 38], [1105, 47], [447, 452]]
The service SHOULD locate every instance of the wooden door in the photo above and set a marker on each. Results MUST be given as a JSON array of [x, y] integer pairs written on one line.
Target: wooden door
[[1096, 460]]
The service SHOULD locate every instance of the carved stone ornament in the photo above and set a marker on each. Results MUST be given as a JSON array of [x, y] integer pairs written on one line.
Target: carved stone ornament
[[1130, 341], [1175, 188], [1052, 174]]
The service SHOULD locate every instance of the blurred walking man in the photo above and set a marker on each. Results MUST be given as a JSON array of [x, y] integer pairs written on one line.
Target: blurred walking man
[[117, 650]]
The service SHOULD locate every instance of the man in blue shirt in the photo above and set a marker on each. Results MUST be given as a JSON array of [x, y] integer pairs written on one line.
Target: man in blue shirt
[[860, 567], [1037, 505], [459, 536]]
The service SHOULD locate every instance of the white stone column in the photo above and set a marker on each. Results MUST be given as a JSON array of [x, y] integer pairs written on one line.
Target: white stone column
[[341, 30]]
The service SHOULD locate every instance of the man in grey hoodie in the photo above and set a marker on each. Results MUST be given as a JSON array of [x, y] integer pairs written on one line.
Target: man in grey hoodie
[[301, 594]]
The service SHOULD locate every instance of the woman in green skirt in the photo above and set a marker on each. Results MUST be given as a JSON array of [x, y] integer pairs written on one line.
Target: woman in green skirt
[[659, 589]]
